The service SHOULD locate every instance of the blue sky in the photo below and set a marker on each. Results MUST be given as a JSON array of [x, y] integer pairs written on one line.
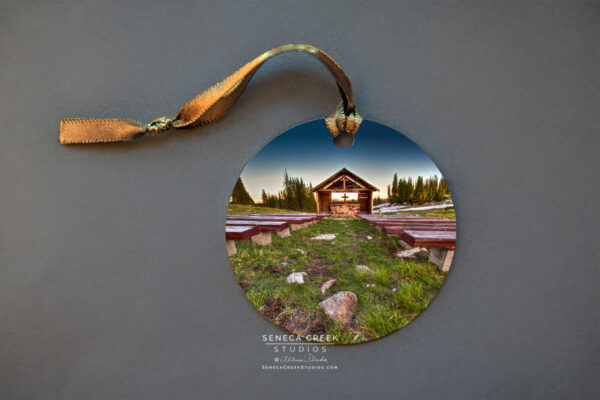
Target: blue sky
[[308, 151]]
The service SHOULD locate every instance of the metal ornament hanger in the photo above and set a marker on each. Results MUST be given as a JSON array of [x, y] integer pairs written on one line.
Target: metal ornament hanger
[[214, 103]]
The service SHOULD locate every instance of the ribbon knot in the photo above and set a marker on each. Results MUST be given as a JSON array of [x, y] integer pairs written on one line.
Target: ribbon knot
[[160, 125]]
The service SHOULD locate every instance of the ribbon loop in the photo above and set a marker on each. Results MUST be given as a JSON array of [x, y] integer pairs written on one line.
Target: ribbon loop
[[212, 104]]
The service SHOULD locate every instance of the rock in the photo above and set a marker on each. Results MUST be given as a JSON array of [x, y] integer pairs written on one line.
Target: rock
[[364, 269], [296, 277], [411, 253], [284, 264], [369, 238], [325, 236], [340, 307], [327, 285]]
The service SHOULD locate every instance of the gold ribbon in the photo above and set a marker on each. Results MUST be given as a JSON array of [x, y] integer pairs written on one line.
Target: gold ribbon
[[212, 104]]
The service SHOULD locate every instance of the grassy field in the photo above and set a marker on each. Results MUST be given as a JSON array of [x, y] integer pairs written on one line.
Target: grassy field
[[240, 209], [387, 300]]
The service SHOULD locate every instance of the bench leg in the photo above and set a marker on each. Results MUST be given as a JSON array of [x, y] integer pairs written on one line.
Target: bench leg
[[379, 228], [284, 233], [441, 258], [231, 250], [295, 227], [262, 238], [403, 244]]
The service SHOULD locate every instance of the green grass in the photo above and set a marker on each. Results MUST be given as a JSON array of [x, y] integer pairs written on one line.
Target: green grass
[[382, 319], [241, 209], [402, 288]]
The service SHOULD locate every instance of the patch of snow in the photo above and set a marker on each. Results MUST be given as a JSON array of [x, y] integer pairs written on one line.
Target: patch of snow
[[381, 205], [325, 236], [439, 206], [394, 208], [410, 253]]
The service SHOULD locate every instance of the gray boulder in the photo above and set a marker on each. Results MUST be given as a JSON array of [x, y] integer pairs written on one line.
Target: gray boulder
[[340, 307]]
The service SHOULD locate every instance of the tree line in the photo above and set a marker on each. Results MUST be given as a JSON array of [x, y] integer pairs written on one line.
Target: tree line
[[405, 190], [296, 195]]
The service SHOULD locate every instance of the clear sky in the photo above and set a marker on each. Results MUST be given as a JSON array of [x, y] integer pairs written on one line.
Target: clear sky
[[307, 151]]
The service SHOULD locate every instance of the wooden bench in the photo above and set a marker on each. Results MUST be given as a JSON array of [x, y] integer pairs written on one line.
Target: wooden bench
[[437, 235], [281, 228], [399, 229], [427, 224], [440, 244], [411, 219], [430, 239], [313, 216], [380, 221], [380, 226], [295, 223], [233, 233], [310, 218], [258, 227]]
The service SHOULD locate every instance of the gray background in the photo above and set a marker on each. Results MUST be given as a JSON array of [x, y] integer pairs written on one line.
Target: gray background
[[114, 277]]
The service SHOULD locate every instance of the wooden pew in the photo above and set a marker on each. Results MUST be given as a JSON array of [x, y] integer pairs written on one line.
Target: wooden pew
[[281, 228], [406, 219], [258, 227], [374, 221], [233, 233], [444, 225], [441, 245], [399, 229], [436, 234], [295, 223], [314, 216]]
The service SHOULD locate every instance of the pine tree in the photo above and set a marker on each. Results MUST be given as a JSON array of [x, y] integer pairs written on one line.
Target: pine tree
[[442, 190], [410, 190], [419, 194], [431, 188], [265, 198], [240, 195], [395, 188], [311, 204], [404, 190]]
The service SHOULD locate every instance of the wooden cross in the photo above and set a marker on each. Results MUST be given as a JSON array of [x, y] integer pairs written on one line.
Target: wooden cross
[[344, 179], [345, 196]]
